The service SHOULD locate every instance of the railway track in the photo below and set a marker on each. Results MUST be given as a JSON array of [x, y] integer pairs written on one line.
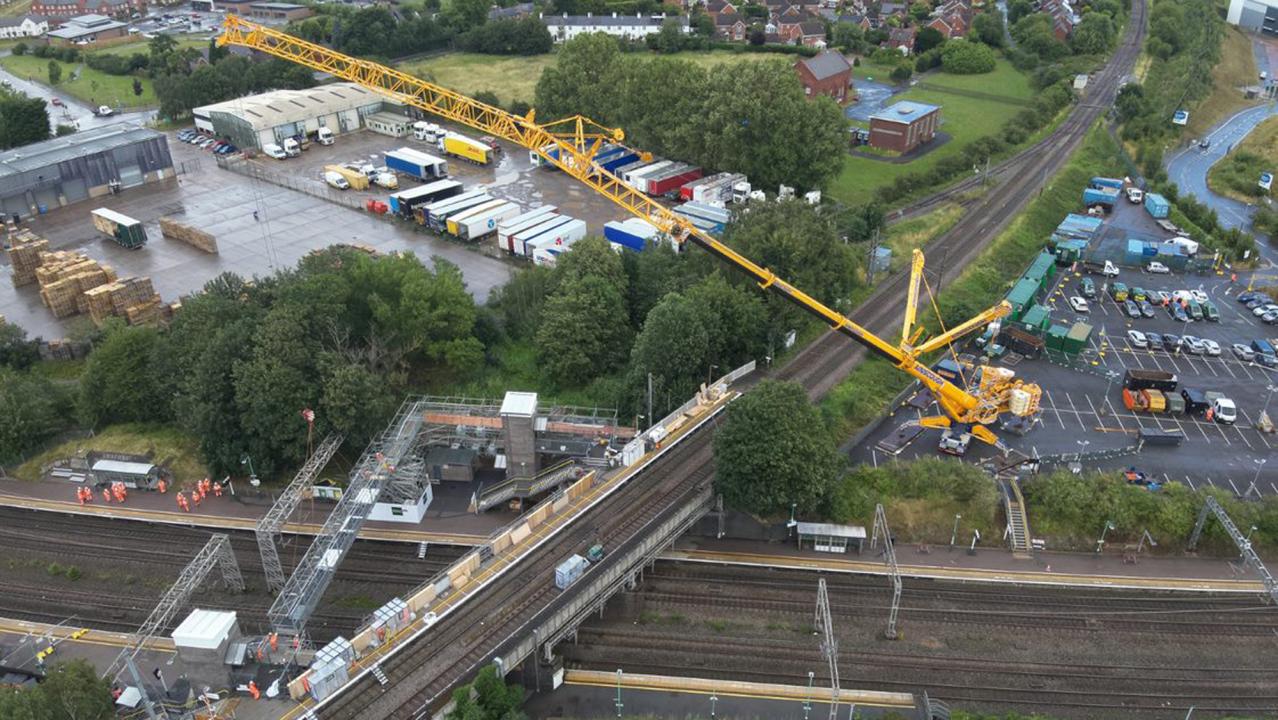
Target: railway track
[[822, 364]]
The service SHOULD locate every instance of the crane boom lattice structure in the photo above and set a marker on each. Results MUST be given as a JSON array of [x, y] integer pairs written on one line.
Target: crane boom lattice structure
[[215, 553], [829, 644], [388, 461], [269, 526], [889, 555], [1249, 556], [570, 145]]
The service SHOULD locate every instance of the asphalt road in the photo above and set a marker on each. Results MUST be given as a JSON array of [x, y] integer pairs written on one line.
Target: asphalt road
[[73, 111]]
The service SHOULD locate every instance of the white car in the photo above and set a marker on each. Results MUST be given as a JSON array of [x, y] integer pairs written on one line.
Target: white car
[[1212, 347], [1137, 339], [1242, 352], [1079, 304], [1198, 295], [1194, 346], [1162, 295], [1157, 268], [1264, 309]]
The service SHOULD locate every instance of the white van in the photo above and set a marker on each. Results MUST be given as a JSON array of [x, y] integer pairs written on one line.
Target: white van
[[324, 136], [1224, 411], [274, 151], [336, 180]]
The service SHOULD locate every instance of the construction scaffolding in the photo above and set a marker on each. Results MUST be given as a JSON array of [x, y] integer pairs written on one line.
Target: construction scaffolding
[[270, 525], [390, 470], [829, 644], [215, 553], [889, 553], [1249, 557]]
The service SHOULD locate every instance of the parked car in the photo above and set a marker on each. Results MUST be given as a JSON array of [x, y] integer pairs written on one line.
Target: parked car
[[1079, 304], [1212, 347], [1146, 309], [1137, 339], [1254, 303], [1160, 296], [57, 102], [1267, 360], [1261, 310], [1242, 352], [1246, 297], [1198, 295], [1133, 310], [1194, 346], [1138, 294], [1087, 286], [1172, 342], [1224, 411], [1177, 313], [1270, 317], [1157, 268], [1155, 340]]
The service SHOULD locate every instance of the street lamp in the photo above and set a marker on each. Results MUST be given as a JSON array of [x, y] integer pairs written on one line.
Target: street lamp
[[710, 372], [976, 536], [791, 524], [1082, 447], [954, 535], [1249, 532], [246, 460], [619, 703], [1109, 525], [807, 703]]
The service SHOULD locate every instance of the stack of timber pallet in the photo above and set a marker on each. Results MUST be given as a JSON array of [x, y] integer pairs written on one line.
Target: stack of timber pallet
[[191, 236], [132, 298], [64, 279], [24, 255]]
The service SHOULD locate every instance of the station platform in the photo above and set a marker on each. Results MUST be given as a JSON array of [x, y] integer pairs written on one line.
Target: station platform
[[447, 524], [731, 688], [1186, 574], [64, 633]]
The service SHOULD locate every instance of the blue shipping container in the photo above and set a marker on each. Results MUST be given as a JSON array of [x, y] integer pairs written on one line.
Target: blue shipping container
[[1100, 196], [1100, 182], [1157, 206], [629, 234]]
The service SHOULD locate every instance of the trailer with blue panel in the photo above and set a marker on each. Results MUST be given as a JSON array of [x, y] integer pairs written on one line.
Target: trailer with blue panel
[[403, 202], [416, 163], [1103, 197], [631, 234]]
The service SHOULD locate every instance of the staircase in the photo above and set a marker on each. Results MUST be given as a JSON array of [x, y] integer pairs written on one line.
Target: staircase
[[523, 487], [376, 670], [1017, 521]]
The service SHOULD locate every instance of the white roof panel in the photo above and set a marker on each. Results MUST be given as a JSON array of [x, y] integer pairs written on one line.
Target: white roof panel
[[832, 530], [523, 404], [204, 629], [119, 466]]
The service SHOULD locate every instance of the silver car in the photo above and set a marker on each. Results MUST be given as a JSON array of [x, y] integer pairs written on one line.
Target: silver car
[[1212, 347], [1194, 346], [1242, 352]]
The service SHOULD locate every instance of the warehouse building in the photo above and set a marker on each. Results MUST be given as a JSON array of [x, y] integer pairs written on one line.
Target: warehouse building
[[254, 121], [91, 163], [279, 11], [88, 30], [904, 126], [1255, 15]]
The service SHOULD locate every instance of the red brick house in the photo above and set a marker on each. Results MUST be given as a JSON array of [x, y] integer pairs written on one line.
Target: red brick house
[[812, 33], [730, 26], [904, 126], [828, 73], [901, 39], [1062, 17], [715, 8], [72, 8]]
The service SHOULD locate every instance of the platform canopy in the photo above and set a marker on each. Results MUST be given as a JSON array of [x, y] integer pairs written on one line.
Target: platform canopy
[[204, 629]]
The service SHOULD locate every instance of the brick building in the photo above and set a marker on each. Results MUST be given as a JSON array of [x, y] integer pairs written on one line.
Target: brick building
[[88, 30], [904, 126], [73, 8], [827, 73]]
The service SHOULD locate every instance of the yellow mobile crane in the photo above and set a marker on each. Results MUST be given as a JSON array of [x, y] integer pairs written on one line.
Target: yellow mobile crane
[[571, 144]]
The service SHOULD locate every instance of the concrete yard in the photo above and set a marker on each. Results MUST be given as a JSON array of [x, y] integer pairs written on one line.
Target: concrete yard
[[1082, 408], [291, 224]]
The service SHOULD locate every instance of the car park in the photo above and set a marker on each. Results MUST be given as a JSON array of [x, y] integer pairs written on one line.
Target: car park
[[1224, 411], [1160, 296], [1212, 347], [1270, 317], [1118, 291], [1198, 295], [1242, 352], [1210, 312], [1137, 339], [1133, 310], [1254, 303], [1194, 346], [1079, 304], [1146, 309], [1138, 294], [1157, 268]]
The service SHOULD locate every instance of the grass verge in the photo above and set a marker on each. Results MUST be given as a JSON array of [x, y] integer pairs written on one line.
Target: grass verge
[[169, 446], [1237, 175], [1236, 70], [90, 86]]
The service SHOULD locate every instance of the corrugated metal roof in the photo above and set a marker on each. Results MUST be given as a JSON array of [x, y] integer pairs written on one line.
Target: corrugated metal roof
[[825, 64], [831, 530], [905, 111], [119, 466], [86, 142], [279, 107]]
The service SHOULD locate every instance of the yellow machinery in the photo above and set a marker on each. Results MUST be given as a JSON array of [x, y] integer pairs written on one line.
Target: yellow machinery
[[571, 144]]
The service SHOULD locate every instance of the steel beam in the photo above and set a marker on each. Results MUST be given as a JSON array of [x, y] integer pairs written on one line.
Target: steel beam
[[270, 524]]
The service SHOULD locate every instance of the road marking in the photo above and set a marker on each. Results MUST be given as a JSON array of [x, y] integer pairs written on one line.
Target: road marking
[[1191, 483], [1235, 487], [1099, 422], [1053, 406]]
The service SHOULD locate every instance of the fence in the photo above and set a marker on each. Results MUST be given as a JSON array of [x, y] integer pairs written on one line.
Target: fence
[[314, 188], [186, 167]]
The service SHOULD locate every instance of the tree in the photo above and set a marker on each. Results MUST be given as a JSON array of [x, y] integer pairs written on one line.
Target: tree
[[927, 38], [581, 80], [961, 57], [919, 12], [137, 86], [1017, 9], [1033, 34], [848, 37], [757, 37], [16, 351], [671, 38], [462, 15], [584, 332], [774, 452], [55, 72], [901, 73], [674, 348], [128, 378], [33, 409], [487, 698], [1093, 35], [735, 320], [23, 120], [70, 691], [988, 28], [160, 46]]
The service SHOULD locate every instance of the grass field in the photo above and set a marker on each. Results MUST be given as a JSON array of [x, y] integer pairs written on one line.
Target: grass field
[[170, 447], [964, 117], [1236, 69], [515, 78], [15, 9], [141, 46], [92, 86], [1236, 176]]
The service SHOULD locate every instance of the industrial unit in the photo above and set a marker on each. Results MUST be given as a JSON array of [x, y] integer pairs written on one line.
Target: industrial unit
[[904, 126], [39, 177], [258, 120]]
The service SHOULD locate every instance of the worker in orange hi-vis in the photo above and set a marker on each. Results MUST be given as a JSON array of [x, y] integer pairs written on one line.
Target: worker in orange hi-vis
[[257, 694], [217, 490], [106, 495], [162, 486], [79, 495], [275, 641], [195, 496], [182, 503], [297, 642]]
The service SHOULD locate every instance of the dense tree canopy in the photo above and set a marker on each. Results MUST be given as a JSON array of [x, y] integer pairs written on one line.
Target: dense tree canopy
[[527, 36], [967, 58], [773, 452], [70, 691], [988, 28], [1095, 34], [23, 120], [128, 378], [747, 117]]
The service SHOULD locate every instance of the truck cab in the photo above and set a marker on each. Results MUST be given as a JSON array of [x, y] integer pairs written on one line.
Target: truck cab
[[291, 148], [426, 132], [324, 136], [1118, 291], [1135, 195]]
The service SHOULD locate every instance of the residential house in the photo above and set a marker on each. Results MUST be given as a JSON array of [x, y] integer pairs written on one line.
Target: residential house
[[566, 27], [952, 19], [73, 8], [1062, 17], [858, 19], [730, 26], [812, 33], [715, 8], [23, 26], [514, 12], [827, 73], [901, 39], [887, 10]]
